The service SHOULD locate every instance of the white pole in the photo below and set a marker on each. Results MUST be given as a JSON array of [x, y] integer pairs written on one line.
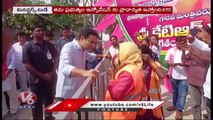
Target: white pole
[[93, 15], [147, 21]]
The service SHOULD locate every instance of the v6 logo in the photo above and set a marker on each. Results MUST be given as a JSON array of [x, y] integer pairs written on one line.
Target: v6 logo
[[27, 97]]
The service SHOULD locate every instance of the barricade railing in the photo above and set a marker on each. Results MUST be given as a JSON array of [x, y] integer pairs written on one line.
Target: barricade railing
[[91, 88]]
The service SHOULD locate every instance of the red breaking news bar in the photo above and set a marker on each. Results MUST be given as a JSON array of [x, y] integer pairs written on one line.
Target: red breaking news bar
[[112, 10]]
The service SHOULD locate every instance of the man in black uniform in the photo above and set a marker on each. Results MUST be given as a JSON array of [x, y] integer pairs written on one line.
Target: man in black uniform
[[40, 59]]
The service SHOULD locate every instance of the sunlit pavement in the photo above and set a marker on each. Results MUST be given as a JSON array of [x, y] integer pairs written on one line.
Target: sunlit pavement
[[187, 113]]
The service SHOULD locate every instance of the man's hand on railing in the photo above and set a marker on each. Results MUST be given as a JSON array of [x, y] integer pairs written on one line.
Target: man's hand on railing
[[106, 55], [91, 73]]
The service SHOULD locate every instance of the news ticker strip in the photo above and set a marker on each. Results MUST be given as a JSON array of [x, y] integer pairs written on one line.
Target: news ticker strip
[[92, 10], [72, 105]]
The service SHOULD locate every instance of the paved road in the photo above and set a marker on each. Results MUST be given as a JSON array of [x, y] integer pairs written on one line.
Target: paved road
[[25, 114], [170, 115]]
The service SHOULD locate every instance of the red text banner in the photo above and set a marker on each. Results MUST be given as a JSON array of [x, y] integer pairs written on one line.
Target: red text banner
[[112, 10]]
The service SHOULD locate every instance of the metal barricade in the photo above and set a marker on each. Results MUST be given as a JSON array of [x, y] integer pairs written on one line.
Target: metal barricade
[[90, 88]]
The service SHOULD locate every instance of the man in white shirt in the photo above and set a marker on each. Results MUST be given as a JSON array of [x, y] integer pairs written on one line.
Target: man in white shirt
[[113, 51], [23, 75], [9, 85], [155, 46], [179, 79], [73, 56]]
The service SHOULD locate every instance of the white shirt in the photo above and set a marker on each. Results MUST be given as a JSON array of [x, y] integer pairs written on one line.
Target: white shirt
[[207, 85], [200, 45], [169, 53], [156, 50], [113, 51], [18, 50], [71, 56], [10, 82], [178, 72]]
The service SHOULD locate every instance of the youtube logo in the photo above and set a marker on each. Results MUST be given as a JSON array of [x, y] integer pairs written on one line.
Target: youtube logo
[[69, 105]]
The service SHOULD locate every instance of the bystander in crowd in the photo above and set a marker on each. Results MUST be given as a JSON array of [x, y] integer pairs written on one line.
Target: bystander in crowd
[[153, 74], [202, 41], [23, 76], [65, 38], [9, 85], [39, 57], [179, 79], [155, 45]]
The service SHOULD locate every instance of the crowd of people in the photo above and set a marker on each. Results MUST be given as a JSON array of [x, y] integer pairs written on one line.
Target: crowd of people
[[52, 69], [189, 72], [55, 71]]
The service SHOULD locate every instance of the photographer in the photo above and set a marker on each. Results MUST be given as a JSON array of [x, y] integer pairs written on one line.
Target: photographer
[[179, 78], [196, 73], [202, 41]]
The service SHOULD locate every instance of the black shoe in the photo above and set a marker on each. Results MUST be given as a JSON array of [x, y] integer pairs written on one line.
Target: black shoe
[[14, 116], [205, 116], [50, 118]]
